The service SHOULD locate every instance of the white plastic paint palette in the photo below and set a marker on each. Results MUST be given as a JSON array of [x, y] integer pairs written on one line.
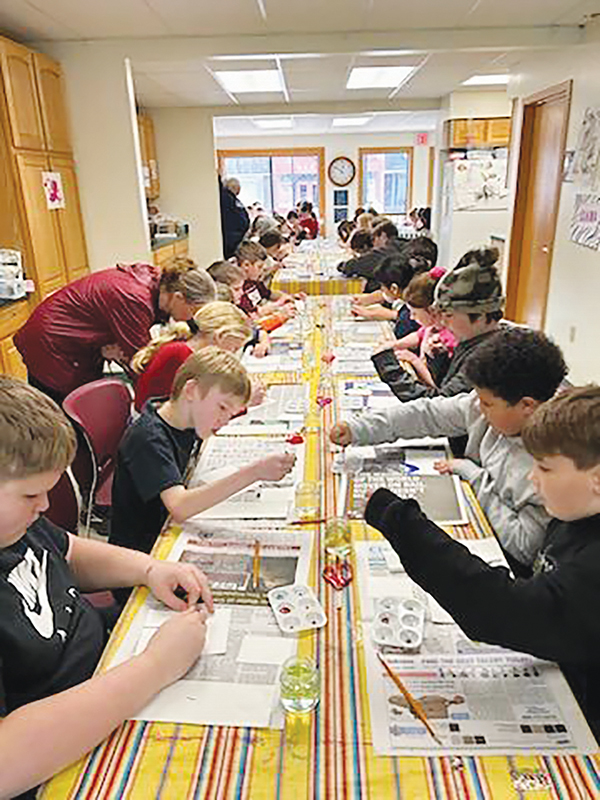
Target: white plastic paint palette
[[296, 608], [399, 623]]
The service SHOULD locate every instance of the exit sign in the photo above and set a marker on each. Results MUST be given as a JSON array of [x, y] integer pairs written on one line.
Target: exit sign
[[422, 138]]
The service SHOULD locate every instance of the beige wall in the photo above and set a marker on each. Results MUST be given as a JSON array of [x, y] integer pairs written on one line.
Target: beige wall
[[102, 114], [572, 314], [188, 176], [345, 145]]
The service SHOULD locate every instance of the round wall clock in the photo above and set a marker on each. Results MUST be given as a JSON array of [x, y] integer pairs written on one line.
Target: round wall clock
[[341, 171]]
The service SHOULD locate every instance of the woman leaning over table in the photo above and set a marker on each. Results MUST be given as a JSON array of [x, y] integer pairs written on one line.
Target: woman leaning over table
[[105, 315]]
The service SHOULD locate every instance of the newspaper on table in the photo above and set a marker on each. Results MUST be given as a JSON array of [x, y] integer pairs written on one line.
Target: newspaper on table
[[224, 455], [479, 698], [285, 357], [408, 471], [234, 682], [282, 410]]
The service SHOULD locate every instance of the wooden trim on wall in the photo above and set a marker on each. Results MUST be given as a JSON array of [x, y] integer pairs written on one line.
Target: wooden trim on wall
[[431, 177], [285, 151], [411, 162]]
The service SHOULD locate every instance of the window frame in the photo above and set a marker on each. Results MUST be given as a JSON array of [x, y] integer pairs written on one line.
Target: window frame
[[366, 151], [284, 151]]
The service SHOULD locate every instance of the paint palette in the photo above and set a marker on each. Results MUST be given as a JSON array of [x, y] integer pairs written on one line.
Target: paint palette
[[399, 622], [296, 608]]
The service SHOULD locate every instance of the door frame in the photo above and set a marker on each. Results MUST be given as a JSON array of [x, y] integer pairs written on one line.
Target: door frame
[[564, 91]]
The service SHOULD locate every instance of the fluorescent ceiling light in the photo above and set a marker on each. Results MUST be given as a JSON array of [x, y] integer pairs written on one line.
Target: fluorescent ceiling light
[[377, 77], [347, 122], [486, 80], [266, 56], [250, 80], [272, 122]]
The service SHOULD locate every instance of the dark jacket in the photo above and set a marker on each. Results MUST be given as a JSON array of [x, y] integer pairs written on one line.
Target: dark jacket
[[363, 266], [234, 220], [552, 615], [406, 387]]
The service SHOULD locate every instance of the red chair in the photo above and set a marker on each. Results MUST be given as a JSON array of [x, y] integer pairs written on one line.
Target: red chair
[[65, 503], [102, 411]]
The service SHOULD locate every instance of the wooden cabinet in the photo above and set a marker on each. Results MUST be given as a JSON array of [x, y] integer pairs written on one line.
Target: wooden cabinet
[[42, 224], [70, 221], [148, 156], [18, 71], [486, 132], [12, 225], [164, 254], [181, 248], [53, 108], [10, 359]]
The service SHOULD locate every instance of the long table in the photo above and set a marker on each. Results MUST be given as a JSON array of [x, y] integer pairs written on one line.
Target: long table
[[329, 753], [313, 270]]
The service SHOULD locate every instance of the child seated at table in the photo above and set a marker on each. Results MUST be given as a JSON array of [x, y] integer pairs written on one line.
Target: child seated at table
[[468, 302], [54, 709], [257, 300], [428, 349], [217, 323], [554, 613], [209, 388], [513, 372]]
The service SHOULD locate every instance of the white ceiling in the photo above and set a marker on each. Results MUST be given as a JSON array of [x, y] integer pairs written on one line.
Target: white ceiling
[[77, 19], [490, 29], [312, 124]]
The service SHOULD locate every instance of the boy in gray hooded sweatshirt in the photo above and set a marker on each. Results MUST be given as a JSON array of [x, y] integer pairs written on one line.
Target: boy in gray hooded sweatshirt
[[512, 373]]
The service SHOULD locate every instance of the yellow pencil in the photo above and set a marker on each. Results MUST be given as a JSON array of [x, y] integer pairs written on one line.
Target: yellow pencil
[[413, 704], [256, 565]]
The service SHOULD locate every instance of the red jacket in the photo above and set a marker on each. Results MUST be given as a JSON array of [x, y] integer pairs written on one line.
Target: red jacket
[[156, 380], [60, 342]]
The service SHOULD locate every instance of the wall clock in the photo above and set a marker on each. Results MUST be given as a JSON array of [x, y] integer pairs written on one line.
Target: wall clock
[[341, 171]]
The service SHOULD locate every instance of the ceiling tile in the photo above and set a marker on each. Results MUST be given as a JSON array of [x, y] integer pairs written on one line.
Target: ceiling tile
[[316, 16], [222, 18], [27, 23], [388, 15], [516, 13]]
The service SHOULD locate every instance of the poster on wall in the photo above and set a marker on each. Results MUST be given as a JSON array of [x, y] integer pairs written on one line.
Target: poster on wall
[[585, 223], [53, 189], [480, 184], [586, 165]]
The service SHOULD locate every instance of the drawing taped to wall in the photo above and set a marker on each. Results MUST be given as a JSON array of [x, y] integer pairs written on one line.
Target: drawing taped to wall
[[585, 223], [586, 167]]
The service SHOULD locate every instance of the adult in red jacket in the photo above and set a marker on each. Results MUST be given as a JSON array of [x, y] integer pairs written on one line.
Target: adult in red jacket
[[107, 314]]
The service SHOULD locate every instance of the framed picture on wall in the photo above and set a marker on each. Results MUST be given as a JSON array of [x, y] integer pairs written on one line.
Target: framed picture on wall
[[340, 197], [340, 214]]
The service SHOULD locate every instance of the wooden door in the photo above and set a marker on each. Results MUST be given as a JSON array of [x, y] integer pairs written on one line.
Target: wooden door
[[143, 136], [543, 136], [152, 160], [70, 220], [50, 273], [52, 103], [18, 71]]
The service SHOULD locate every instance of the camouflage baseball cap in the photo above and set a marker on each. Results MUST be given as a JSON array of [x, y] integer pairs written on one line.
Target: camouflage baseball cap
[[473, 286]]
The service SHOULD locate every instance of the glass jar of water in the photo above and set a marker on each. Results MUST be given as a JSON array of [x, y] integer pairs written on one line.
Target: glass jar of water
[[299, 685]]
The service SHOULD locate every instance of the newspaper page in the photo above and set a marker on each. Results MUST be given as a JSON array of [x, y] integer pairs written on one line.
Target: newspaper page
[[234, 683]]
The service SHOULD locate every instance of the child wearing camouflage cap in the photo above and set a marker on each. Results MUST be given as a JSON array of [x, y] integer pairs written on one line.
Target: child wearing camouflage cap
[[470, 300]]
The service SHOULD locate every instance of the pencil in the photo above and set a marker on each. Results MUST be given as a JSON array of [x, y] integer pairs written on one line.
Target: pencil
[[307, 521], [256, 565], [413, 704]]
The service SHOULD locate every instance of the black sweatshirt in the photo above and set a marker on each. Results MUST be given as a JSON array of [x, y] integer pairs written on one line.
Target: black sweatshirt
[[553, 615]]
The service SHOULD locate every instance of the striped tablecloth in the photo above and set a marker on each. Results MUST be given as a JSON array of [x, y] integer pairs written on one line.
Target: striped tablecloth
[[327, 755], [316, 285]]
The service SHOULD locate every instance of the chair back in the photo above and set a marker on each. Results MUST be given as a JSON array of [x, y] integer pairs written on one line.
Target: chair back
[[64, 500], [102, 409]]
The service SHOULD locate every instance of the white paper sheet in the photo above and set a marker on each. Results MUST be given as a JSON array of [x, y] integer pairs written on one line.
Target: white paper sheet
[[266, 649]]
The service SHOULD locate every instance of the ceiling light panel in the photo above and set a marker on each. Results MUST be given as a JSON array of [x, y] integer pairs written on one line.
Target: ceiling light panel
[[487, 80], [350, 122], [273, 123], [256, 81], [378, 77]]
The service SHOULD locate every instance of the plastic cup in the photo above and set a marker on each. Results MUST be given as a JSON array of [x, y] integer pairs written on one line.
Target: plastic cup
[[299, 685], [337, 536], [307, 499]]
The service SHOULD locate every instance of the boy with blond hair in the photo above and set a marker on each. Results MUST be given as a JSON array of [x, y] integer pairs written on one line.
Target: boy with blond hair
[[554, 614], [208, 390], [257, 299], [51, 638]]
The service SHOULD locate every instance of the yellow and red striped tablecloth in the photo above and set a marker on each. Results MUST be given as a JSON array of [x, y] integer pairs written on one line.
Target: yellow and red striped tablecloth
[[327, 755]]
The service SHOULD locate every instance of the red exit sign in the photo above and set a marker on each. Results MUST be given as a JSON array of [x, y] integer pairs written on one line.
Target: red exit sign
[[422, 138]]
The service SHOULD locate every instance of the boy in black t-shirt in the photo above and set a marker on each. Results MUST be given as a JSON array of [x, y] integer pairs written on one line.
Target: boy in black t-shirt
[[50, 636], [209, 388], [554, 614]]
